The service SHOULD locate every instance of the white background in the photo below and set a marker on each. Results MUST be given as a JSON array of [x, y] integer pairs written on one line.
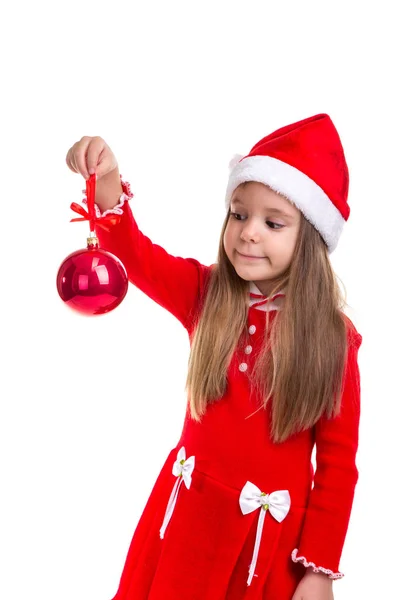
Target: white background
[[90, 407]]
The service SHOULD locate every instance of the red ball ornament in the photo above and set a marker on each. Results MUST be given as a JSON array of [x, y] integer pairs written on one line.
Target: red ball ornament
[[92, 281]]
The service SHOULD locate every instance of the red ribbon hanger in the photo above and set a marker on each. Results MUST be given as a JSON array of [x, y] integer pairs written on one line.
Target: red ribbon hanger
[[90, 214]]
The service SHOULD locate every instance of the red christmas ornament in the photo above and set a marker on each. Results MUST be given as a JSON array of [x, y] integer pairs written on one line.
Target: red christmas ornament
[[92, 281]]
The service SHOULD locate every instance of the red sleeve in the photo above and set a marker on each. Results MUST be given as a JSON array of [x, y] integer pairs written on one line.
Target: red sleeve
[[328, 511], [173, 282]]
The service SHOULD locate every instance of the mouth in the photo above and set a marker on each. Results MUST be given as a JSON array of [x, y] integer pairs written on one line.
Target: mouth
[[250, 257]]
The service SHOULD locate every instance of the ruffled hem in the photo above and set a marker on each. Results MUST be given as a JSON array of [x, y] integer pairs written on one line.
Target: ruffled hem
[[117, 209], [316, 569]]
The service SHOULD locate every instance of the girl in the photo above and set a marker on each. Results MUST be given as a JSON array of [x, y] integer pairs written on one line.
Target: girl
[[237, 512]]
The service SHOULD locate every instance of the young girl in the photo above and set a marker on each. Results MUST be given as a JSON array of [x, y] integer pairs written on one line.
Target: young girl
[[237, 512]]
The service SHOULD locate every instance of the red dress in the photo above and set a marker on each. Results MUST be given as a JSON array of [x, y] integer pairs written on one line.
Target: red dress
[[209, 542]]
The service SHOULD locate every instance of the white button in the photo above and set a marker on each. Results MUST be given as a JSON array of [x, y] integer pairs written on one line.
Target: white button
[[252, 329], [243, 367], [248, 349]]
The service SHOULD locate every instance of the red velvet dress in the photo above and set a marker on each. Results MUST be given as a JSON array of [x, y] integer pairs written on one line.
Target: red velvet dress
[[209, 543]]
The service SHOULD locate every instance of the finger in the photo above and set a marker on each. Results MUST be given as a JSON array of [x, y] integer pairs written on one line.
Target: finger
[[68, 160], [73, 162], [80, 156], [94, 152], [106, 163]]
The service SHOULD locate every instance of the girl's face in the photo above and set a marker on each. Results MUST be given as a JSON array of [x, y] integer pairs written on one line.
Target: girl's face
[[261, 234]]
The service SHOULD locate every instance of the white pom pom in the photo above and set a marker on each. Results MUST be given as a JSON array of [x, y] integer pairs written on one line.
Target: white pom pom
[[235, 160]]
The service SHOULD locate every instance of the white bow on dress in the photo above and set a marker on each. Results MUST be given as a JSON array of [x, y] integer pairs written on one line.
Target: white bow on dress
[[182, 469], [277, 503]]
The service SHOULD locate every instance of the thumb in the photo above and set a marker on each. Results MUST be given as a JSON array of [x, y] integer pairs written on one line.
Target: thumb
[[105, 165], [98, 157]]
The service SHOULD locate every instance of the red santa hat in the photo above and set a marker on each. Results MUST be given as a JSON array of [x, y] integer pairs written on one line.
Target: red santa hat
[[305, 163]]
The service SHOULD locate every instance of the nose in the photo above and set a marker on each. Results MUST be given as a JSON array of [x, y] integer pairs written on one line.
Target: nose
[[250, 232]]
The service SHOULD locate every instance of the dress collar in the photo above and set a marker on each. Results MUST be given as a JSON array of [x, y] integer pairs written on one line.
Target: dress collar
[[260, 302]]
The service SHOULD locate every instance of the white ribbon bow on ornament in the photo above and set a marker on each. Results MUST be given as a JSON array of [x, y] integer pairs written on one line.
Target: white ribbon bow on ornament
[[182, 469], [251, 499]]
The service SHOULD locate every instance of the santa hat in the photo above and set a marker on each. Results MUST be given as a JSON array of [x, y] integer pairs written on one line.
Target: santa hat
[[305, 163]]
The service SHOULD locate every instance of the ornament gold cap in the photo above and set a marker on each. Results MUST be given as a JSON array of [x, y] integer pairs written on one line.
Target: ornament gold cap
[[92, 241]]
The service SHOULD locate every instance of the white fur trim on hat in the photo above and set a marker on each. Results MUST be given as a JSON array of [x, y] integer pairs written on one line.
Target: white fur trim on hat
[[297, 187]]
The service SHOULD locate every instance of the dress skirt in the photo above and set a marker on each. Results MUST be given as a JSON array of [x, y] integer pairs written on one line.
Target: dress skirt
[[208, 546]]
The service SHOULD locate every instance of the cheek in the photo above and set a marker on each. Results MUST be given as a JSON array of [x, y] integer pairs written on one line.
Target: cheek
[[288, 249], [228, 239], [283, 252]]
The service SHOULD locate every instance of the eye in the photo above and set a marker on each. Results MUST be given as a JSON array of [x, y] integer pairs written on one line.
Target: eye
[[275, 226], [234, 215], [271, 224]]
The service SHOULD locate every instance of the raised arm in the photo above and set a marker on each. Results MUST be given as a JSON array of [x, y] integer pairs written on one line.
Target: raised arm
[[175, 283]]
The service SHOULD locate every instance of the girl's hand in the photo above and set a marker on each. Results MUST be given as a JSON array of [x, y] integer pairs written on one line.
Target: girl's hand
[[91, 155], [314, 586]]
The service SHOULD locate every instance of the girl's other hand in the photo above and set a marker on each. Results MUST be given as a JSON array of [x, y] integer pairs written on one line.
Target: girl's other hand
[[314, 586], [91, 155]]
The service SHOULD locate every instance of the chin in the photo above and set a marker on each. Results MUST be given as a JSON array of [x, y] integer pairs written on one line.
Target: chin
[[252, 274]]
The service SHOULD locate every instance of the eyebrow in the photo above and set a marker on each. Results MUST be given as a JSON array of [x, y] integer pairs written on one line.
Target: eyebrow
[[270, 209]]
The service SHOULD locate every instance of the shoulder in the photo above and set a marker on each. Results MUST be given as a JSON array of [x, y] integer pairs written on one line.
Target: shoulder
[[204, 273], [354, 338]]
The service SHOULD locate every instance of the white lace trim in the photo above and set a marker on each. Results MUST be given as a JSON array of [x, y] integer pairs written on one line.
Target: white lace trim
[[116, 210], [316, 569]]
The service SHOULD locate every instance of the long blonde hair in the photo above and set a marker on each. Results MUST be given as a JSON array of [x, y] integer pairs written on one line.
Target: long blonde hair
[[301, 365]]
